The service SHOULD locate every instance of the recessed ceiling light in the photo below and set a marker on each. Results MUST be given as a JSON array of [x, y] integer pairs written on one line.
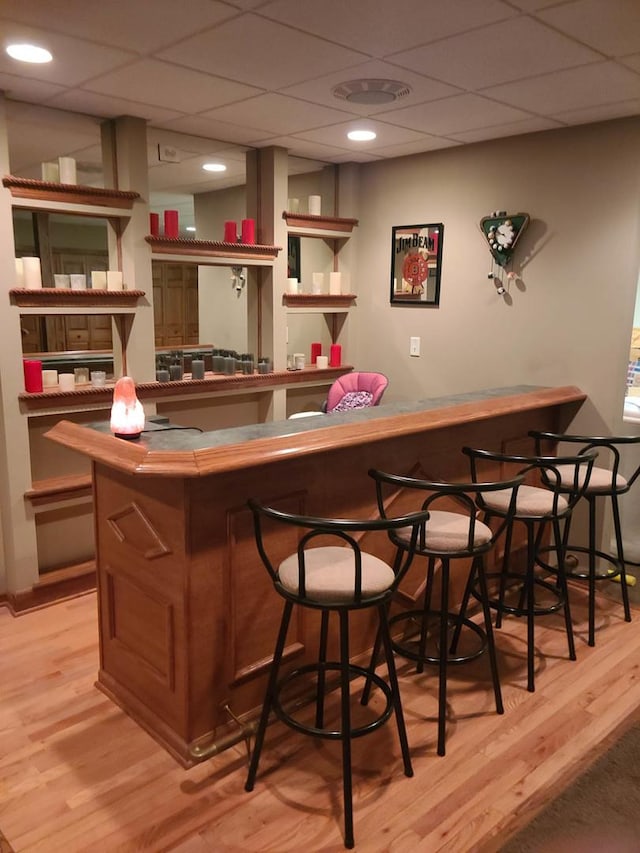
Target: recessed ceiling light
[[190, 228], [29, 53], [214, 167], [361, 135]]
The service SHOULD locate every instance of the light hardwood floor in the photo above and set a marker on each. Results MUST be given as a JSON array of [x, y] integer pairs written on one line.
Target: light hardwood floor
[[76, 774]]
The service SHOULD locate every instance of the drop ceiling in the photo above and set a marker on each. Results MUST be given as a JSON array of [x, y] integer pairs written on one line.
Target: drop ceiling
[[214, 78]]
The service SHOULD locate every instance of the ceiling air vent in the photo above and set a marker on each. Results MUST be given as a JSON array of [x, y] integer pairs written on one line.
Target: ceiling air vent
[[371, 92]]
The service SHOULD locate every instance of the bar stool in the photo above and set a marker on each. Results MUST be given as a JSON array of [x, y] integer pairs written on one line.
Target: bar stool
[[545, 500], [605, 482], [448, 535], [330, 573]]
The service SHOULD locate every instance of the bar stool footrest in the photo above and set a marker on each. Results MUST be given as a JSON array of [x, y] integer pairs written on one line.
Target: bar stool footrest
[[573, 571], [331, 734], [453, 619], [516, 610]]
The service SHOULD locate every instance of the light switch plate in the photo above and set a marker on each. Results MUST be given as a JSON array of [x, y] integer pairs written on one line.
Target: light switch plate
[[414, 346]]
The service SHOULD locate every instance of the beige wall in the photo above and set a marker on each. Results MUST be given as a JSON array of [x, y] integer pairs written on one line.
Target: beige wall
[[569, 321]]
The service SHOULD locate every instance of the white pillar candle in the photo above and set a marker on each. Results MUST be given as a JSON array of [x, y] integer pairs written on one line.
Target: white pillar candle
[[49, 378], [67, 166], [61, 281], [315, 205], [78, 281], [98, 279], [335, 284], [19, 273], [114, 280], [67, 381], [322, 362], [292, 285], [50, 172], [32, 274], [317, 282]]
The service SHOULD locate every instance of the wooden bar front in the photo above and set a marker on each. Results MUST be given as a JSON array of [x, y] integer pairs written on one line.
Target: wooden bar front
[[187, 614]]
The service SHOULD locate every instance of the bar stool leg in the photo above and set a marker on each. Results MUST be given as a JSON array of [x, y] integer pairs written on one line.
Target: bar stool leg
[[422, 646], [322, 659], [346, 729], [620, 550], [491, 647], [561, 551], [395, 689], [503, 575], [530, 602], [443, 655], [268, 699]]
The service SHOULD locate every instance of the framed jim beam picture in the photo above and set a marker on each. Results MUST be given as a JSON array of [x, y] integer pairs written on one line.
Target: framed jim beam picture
[[416, 263]]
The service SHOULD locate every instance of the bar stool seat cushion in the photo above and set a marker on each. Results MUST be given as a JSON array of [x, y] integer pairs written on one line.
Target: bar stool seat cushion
[[530, 501], [601, 479], [449, 531], [330, 574]]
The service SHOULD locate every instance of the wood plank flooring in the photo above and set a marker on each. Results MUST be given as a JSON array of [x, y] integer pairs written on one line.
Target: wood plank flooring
[[76, 774]]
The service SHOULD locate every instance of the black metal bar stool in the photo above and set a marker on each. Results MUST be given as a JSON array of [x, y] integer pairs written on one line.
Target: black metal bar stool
[[545, 501], [605, 482], [330, 573], [449, 534]]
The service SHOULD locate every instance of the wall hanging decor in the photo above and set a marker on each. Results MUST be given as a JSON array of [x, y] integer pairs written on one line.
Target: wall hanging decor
[[502, 231], [416, 263]]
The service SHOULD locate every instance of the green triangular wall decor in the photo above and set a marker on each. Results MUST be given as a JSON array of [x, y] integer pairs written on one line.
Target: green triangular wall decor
[[502, 231]]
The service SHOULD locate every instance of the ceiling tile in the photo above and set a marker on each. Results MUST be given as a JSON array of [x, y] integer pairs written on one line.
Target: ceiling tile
[[304, 148], [387, 134], [107, 106], [575, 88], [25, 89], [451, 115], [74, 60], [319, 90], [188, 145], [515, 128], [612, 26], [602, 112], [433, 143], [378, 28], [506, 51], [166, 85], [279, 114], [251, 49], [140, 26], [632, 62], [213, 129]]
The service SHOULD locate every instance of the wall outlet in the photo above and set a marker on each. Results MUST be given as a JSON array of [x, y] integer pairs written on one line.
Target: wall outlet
[[414, 346]]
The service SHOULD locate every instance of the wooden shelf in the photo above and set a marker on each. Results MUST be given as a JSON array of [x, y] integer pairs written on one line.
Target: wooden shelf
[[69, 198], [44, 402], [323, 300], [307, 225], [56, 489], [52, 297], [203, 252]]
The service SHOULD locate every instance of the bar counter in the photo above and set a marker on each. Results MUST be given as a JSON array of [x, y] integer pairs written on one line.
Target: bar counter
[[187, 614]]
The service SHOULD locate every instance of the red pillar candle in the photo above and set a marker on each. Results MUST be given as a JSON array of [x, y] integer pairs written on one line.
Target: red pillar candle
[[32, 375], [230, 232], [335, 355], [154, 224], [316, 350], [171, 228], [248, 231]]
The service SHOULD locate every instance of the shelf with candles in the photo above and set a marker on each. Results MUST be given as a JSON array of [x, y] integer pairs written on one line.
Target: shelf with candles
[[208, 252], [325, 301], [308, 225], [89, 397], [69, 198], [112, 301]]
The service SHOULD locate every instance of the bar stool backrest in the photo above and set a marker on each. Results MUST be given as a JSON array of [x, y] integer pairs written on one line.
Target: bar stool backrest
[[326, 532], [547, 472], [607, 447]]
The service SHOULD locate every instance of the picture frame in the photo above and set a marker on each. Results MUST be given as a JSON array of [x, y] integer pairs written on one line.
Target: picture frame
[[416, 264]]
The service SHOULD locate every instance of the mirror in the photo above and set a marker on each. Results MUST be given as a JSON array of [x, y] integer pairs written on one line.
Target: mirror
[[416, 261]]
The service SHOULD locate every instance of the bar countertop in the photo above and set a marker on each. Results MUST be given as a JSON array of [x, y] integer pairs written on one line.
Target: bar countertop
[[165, 450]]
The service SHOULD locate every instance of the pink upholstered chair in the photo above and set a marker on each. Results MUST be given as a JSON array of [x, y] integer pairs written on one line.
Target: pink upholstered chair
[[356, 390]]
